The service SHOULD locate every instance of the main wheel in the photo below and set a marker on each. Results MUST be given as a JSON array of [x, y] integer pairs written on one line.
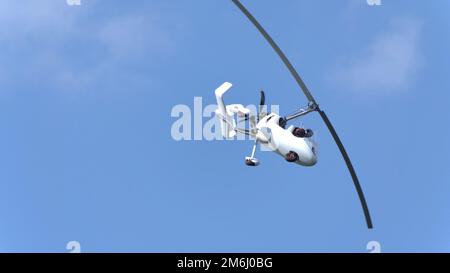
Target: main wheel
[[248, 162], [251, 161]]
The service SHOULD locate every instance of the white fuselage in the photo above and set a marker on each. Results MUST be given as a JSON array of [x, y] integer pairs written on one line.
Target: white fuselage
[[282, 141]]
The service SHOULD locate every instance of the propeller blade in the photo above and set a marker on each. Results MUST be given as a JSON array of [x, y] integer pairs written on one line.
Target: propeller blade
[[311, 99], [262, 102]]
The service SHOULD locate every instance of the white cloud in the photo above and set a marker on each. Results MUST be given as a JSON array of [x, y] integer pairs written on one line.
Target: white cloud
[[132, 34], [51, 44], [388, 64]]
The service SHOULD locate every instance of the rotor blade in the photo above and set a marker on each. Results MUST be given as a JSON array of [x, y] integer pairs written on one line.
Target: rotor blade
[[362, 199], [308, 95], [277, 49]]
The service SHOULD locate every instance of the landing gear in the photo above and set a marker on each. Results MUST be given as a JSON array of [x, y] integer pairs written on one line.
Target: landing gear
[[301, 132], [291, 156], [249, 161]]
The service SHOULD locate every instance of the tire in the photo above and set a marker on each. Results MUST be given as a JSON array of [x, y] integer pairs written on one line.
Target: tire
[[248, 162], [291, 156]]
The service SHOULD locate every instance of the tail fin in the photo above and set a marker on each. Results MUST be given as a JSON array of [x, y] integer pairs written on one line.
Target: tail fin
[[227, 122]]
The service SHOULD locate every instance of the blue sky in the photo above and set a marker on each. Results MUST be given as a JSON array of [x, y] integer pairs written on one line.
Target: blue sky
[[86, 152]]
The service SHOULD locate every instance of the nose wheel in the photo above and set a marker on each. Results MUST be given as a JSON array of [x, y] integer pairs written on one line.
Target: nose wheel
[[251, 161]]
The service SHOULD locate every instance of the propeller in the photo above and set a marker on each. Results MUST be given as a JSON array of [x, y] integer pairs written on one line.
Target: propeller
[[311, 99], [262, 103]]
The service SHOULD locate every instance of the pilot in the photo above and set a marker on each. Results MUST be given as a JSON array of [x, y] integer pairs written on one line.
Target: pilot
[[301, 132]]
